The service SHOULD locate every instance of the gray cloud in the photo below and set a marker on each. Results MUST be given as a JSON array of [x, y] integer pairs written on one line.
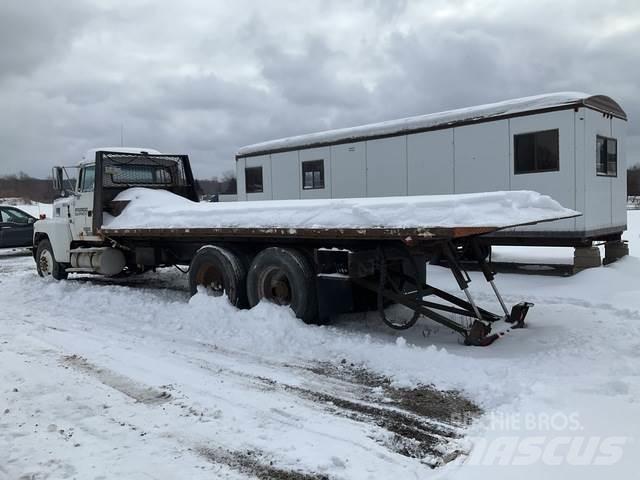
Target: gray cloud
[[205, 78]]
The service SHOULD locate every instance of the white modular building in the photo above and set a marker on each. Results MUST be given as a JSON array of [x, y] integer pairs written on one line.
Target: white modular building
[[568, 145]]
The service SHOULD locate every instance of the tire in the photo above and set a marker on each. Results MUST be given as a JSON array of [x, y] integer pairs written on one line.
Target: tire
[[46, 262], [284, 276], [221, 272]]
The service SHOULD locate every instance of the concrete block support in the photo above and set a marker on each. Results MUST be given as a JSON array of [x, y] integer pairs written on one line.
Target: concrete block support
[[586, 257], [615, 250]]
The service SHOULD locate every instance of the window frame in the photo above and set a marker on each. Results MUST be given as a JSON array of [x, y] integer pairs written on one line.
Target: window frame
[[83, 175], [606, 139], [312, 163], [515, 152], [8, 215], [246, 179]]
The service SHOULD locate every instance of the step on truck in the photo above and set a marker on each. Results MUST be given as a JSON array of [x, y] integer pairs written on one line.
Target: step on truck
[[317, 270]]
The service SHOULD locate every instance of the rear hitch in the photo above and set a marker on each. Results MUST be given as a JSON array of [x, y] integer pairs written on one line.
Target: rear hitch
[[518, 314]]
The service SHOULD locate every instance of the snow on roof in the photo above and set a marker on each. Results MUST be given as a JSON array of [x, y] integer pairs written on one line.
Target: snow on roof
[[162, 209], [434, 120], [90, 155]]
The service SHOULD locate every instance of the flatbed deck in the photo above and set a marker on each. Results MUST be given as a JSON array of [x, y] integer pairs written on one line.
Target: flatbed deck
[[403, 234]]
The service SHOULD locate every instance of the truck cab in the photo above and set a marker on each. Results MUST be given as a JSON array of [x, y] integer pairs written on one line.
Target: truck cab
[[70, 241]]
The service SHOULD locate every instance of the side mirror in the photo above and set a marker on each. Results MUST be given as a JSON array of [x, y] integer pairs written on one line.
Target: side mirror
[[58, 182]]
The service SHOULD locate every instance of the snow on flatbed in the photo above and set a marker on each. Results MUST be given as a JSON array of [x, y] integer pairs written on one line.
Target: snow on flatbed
[[154, 209], [129, 378]]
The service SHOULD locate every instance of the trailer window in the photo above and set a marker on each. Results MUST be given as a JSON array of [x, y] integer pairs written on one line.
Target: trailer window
[[313, 174], [536, 152], [606, 156], [253, 180]]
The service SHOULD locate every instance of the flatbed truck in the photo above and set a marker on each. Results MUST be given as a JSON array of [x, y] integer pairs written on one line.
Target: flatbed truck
[[317, 272]]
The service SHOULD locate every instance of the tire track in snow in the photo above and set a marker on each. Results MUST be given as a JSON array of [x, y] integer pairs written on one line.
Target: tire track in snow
[[140, 393], [415, 423]]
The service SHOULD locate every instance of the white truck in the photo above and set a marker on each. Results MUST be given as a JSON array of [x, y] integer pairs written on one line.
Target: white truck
[[318, 269]]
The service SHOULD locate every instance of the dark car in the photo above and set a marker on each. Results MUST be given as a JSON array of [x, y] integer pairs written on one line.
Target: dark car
[[16, 228]]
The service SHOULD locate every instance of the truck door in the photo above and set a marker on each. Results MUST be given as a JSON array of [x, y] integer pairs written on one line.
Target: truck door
[[83, 205]]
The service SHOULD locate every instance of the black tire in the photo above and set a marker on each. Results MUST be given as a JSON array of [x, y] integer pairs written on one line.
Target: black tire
[[46, 262], [284, 276], [221, 272]]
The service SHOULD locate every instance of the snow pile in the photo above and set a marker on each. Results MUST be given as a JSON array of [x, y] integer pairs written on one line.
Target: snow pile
[[162, 209], [506, 107]]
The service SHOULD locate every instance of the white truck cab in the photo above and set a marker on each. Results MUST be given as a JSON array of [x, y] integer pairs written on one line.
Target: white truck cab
[[69, 237]]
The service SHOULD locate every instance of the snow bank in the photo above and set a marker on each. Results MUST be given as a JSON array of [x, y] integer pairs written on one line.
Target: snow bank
[[162, 209]]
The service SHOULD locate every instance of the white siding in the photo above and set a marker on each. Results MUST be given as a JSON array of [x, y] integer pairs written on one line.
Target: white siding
[[387, 167], [324, 154], [285, 176], [598, 188], [348, 167], [619, 184], [481, 157], [561, 184], [580, 166], [240, 164], [263, 161], [430, 162]]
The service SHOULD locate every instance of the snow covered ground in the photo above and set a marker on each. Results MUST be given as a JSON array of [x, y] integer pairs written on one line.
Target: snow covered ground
[[131, 379]]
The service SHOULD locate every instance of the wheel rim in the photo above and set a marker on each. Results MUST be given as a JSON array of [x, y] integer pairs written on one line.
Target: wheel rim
[[211, 279], [46, 262], [275, 287]]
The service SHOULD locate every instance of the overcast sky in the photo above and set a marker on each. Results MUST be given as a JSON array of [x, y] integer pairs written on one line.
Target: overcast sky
[[206, 77]]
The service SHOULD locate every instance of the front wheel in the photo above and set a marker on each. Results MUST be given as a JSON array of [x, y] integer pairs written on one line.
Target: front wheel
[[46, 262]]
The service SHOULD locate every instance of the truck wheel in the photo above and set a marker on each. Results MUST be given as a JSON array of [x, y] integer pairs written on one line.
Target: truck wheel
[[46, 262], [284, 276], [220, 272]]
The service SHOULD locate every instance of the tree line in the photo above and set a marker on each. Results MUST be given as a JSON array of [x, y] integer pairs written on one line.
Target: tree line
[[41, 189]]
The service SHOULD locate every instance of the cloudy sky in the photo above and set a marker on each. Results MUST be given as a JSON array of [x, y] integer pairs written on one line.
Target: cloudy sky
[[206, 77]]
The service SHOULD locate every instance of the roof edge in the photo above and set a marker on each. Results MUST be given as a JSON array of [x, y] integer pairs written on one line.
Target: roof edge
[[601, 103]]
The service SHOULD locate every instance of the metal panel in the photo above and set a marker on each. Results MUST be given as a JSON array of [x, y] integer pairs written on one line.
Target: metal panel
[[559, 185], [430, 162], [580, 156], [482, 157], [317, 154], [242, 192], [285, 176], [619, 184], [348, 167], [387, 167], [597, 209]]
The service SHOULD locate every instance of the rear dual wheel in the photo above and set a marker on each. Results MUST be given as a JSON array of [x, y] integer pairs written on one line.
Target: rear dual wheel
[[220, 272], [283, 276]]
